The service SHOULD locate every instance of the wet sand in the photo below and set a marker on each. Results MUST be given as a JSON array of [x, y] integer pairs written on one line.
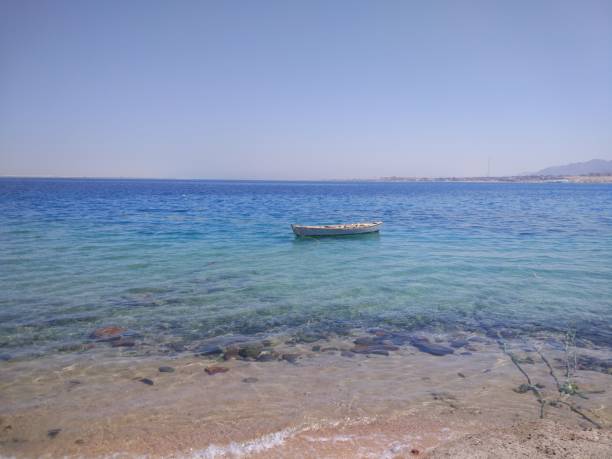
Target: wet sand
[[324, 404]]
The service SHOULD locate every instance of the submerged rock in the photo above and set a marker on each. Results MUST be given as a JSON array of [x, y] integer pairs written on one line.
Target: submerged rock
[[146, 381], [291, 358], [526, 359], [349, 354], [214, 346], [231, 353], [368, 340], [53, 433], [379, 352], [213, 370], [210, 349], [380, 332], [478, 339], [380, 349], [424, 345], [459, 342], [250, 351], [122, 342], [73, 347], [250, 380], [107, 333], [310, 338], [166, 369]]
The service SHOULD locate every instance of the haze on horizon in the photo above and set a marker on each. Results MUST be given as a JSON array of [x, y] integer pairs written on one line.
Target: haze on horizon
[[302, 90]]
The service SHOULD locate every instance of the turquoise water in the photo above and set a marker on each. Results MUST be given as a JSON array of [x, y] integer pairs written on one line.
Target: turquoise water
[[181, 261]]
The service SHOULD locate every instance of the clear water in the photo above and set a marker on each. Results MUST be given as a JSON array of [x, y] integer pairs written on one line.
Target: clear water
[[188, 260]]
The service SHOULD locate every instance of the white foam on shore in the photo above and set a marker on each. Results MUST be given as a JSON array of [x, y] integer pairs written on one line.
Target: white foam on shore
[[235, 449], [269, 441]]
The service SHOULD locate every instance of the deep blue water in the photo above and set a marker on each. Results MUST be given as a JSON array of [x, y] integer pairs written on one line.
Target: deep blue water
[[185, 260]]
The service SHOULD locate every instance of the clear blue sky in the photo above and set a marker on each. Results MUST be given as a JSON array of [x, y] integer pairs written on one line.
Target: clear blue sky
[[302, 90]]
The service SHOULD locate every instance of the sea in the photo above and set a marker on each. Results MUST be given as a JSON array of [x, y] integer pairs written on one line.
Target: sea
[[185, 267], [188, 260]]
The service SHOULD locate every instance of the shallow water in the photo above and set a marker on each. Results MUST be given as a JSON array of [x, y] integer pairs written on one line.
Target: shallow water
[[180, 261]]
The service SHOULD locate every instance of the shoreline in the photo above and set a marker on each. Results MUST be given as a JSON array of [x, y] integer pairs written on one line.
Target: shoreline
[[321, 403]]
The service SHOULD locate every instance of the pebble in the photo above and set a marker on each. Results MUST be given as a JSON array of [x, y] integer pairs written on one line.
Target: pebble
[[461, 375], [378, 352], [165, 369], [316, 348], [266, 356], [215, 369], [146, 381], [349, 354], [53, 433], [250, 380]]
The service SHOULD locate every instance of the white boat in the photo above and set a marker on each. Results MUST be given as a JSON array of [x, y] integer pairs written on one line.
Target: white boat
[[336, 230]]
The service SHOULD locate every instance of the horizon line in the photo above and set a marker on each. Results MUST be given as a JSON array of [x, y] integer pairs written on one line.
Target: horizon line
[[353, 179]]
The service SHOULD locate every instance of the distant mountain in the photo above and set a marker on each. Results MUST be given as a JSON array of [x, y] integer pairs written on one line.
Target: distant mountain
[[594, 166]]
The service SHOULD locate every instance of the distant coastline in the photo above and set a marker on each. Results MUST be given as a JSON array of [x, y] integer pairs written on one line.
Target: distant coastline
[[591, 178]]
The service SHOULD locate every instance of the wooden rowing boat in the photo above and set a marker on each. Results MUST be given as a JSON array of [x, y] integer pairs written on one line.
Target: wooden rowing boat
[[336, 230]]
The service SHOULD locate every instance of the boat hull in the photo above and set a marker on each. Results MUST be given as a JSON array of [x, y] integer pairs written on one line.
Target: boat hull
[[336, 230]]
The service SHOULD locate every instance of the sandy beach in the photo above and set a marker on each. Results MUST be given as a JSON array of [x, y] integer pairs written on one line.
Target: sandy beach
[[326, 402]]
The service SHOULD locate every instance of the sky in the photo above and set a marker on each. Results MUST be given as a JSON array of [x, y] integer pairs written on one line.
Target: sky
[[302, 89]]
